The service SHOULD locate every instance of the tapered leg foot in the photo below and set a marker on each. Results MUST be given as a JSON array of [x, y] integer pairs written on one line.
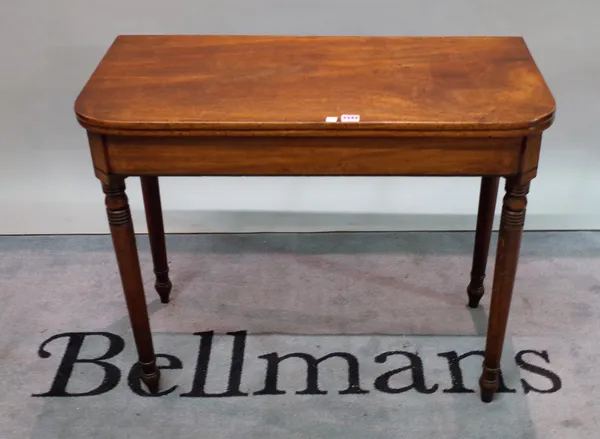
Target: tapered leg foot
[[488, 383], [507, 256], [486, 396], [121, 229], [156, 233], [163, 286], [475, 292], [485, 219], [151, 376]]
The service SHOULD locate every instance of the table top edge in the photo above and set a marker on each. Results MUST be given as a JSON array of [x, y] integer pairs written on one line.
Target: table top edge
[[537, 124]]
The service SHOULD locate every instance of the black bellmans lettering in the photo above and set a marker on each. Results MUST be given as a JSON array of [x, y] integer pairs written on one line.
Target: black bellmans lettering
[[356, 385]]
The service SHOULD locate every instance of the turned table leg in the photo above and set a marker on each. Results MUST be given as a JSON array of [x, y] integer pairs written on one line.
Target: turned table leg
[[509, 243], [156, 233], [121, 229], [483, 234]]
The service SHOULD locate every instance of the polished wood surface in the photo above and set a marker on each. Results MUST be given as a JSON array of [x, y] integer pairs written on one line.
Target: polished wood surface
[[483, 235], [507, 257], [242, 105], [228, 83], [311, 156], [156, 234], [121, 229]]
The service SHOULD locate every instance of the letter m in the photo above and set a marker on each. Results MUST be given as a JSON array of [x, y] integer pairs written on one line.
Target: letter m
[[312, 373]]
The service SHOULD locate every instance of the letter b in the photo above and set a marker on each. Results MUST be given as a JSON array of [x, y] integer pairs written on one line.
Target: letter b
[[112, 374]]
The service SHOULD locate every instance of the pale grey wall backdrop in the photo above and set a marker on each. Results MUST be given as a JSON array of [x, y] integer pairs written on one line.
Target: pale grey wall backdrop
[[48, 49]]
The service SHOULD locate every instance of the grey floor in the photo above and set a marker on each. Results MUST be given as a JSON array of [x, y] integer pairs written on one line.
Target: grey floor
[[363, 294]]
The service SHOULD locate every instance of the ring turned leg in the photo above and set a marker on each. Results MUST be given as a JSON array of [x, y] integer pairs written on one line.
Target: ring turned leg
[[156, 233], [509, 243], [121, 229], [483, 234]]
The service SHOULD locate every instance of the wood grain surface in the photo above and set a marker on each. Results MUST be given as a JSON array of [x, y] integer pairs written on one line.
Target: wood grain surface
[[310, 156], [254, 83]]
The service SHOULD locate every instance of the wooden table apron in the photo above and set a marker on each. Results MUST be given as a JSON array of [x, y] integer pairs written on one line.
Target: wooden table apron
[[434, 107]]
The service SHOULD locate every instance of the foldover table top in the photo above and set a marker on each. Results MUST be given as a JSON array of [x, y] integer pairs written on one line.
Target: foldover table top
[[197, 84]]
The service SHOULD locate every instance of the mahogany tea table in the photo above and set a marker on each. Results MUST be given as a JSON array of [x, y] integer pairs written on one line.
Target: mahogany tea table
[[317, 106]]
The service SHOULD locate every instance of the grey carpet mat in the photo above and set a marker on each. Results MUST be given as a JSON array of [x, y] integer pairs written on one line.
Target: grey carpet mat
[[342, 335]]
